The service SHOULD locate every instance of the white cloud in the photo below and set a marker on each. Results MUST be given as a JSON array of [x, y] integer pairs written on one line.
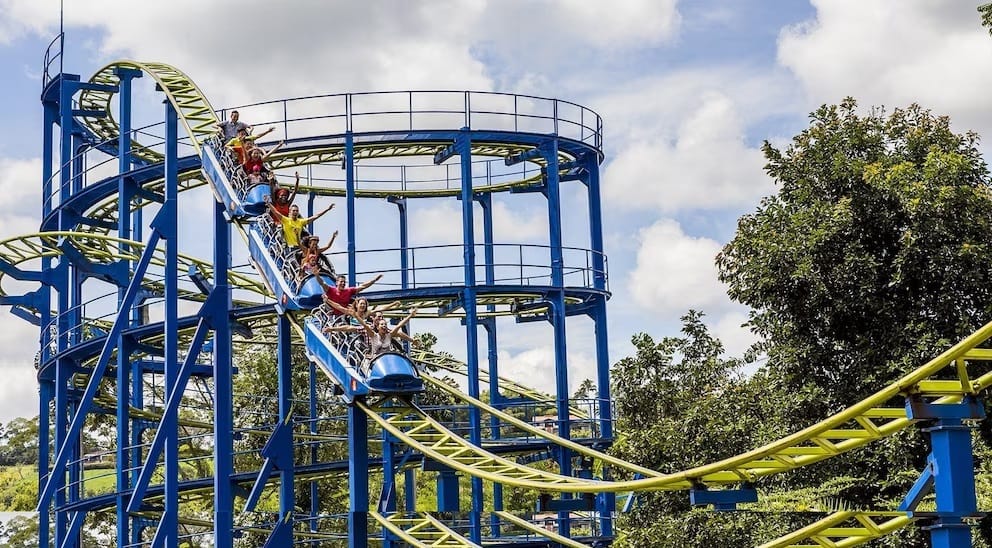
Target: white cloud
[[227, 46], [736, 339], [441, 223], [621, 24], [19, 391], [536, 368], [675, 272], [20, 180], [933, 52], [708, 165]]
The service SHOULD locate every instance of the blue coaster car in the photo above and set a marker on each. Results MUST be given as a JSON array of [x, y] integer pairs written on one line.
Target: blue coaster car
[[309, 294], [254, 201], [393, 373]]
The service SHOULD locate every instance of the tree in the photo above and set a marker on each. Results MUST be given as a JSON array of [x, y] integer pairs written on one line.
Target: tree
[[874, 252], [680, 403], [19, 442], [986, 11], [873, 257]]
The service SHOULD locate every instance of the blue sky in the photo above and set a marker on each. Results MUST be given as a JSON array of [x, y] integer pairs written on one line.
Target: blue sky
[[688, 91]]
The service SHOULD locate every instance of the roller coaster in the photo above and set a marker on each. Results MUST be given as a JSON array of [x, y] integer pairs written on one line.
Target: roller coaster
[[140, 336]]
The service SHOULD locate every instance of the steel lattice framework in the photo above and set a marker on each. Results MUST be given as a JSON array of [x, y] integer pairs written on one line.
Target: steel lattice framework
[[168, 381]]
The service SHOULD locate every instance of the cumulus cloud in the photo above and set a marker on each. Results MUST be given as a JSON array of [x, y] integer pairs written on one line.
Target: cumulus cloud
[[728, 328], [708, 165], [19, 184], [355, 46], [441, 223], [895, 52], [675, 272], [535, 367]]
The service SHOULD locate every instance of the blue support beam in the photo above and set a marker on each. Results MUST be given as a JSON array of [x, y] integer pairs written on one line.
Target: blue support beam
[[170, 415], [492, 355], [168, 219], [531, 154], [464, 147], [549, 151], [590, 166], [387, 496], [358, 478], [951, 468], [287, 493], [349, 174], [282, 533], [75, 427], [723, 500], [448, 495], [314, 506], [50, 115], [72, 533], [116, 273], [446, 153], [278, 454], [223, 384]]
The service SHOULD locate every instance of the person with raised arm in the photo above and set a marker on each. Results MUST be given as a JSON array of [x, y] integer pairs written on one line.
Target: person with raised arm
[[380, 336], [229, 128], [257, 157], [293, 224], [341, 294], [282, 198], [242, 143], [312, 255]]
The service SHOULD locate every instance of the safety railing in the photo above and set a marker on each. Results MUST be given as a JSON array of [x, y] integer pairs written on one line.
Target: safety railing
[[353, 346], [511, 264], [95, 161], [229, 163], [371, 112], [51, 56]]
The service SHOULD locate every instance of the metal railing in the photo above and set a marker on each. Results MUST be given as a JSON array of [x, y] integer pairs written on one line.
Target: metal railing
[[369, 112], [512, 264], [50, 57]]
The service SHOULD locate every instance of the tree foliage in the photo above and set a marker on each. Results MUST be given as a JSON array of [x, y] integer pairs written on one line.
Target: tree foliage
[[873, 256], [679, 404], [875, 251]]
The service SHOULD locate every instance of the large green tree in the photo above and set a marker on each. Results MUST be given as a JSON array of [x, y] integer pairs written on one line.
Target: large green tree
[[680, 403], [874, 256], [876, 250]]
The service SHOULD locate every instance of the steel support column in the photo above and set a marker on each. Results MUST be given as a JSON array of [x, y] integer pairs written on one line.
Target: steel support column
[[168, 222], [550, 152], [125, 193], [223, 386], [63, 277], [598, 315], [46, 387], [464, 150], [486, 201], [314, 494], [287, 493], [951, 468], [349, 174], [358, 478]]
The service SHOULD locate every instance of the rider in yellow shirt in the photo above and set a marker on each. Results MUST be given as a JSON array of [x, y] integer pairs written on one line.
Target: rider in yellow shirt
[[292, 225]]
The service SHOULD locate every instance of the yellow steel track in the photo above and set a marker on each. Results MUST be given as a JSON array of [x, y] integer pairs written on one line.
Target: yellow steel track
[[871, 419], [105, 249], [843, 529], [422, 530]]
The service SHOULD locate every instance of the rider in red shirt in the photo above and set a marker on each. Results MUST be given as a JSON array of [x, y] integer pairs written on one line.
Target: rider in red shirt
[[341, 293]]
